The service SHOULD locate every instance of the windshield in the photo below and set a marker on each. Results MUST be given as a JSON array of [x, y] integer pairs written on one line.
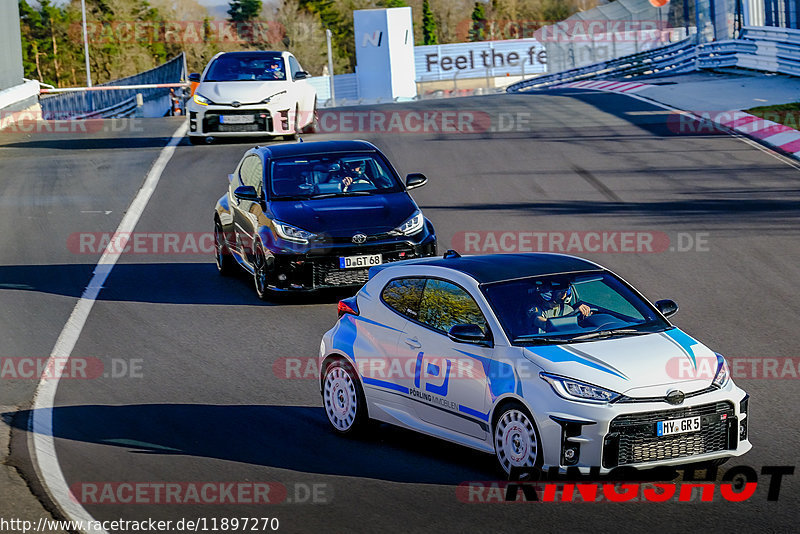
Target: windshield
[[331, 176], [246, 67], [572, 307]]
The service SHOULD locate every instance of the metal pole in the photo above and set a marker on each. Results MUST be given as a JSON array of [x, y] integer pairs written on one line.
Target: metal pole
[[86, 44], [330, 66]]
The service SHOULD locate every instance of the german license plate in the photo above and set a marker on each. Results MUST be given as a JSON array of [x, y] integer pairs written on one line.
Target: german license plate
[[351, 262], [236, 119], [678, 426]]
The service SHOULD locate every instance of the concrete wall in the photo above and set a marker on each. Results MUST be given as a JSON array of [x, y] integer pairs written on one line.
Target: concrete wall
[[10, 45]]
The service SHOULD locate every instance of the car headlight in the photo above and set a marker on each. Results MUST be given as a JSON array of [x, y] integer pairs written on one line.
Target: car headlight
[[200, 99], [293, 233], [413, 225], [576, 390], [723, 373]]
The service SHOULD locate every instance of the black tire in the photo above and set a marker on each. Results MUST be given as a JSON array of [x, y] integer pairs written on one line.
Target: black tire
[[197, 140], [296, 126], [261, 273], [343, 399], [226, 265], [516, 439], [313, 126]]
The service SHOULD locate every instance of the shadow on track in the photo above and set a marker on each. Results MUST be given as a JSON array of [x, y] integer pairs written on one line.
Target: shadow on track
[[284, 437], [163, 283]]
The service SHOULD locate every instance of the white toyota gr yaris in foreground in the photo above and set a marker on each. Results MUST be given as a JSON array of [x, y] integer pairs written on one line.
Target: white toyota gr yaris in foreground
[[544, 360]]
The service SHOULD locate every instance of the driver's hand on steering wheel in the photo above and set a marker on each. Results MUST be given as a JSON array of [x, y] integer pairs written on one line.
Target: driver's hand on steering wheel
[[585, 310], [347, 181]]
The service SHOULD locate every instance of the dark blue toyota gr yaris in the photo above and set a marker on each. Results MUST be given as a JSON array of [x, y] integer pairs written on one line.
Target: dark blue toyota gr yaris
[[307, 216]]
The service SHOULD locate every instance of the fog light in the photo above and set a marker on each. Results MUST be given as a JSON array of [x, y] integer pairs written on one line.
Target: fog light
[[282, 277], [743, 430], [569, 454]]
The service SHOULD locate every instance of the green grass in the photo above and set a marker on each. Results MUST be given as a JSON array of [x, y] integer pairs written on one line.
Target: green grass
[[786, 114]]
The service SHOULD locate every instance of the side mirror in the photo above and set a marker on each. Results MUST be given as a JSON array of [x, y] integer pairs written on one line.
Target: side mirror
[[416, 179], [667, 307], [301, 75], [246, 192], [467, 333], [194, 77]]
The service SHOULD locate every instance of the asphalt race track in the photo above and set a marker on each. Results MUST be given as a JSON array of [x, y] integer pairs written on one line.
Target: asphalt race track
[[199, 399]]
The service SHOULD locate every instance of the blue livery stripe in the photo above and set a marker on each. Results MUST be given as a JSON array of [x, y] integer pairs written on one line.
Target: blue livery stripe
[[474, 413], [557, 354], [685, 341], [385, 385]]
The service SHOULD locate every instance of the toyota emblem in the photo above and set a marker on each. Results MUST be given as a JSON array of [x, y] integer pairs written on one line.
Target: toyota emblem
[[675, 396], [359, 239], [236, 103]]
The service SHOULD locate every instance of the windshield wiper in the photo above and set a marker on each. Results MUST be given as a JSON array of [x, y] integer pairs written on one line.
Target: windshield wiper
[[609, 333], [537, 339], [343, 194]]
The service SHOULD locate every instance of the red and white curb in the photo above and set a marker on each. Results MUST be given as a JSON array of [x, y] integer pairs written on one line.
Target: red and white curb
[[605, 85], [768, 132]]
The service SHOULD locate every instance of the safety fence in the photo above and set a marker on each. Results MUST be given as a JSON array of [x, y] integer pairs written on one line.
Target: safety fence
[[99, 103], [766, 49]]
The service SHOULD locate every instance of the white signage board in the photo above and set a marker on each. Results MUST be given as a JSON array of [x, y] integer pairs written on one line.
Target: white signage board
[[511, 57]]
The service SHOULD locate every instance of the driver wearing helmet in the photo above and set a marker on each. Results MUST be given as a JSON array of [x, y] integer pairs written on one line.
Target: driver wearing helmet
[[553, 299], [274, 70], [353, 174]]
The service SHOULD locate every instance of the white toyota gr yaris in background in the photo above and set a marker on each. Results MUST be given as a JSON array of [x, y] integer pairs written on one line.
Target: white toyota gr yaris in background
[[543, 360], [251, 94]]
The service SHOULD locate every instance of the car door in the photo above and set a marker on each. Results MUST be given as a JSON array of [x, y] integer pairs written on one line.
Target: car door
[[449, 385], [246, 213], [390, 373]]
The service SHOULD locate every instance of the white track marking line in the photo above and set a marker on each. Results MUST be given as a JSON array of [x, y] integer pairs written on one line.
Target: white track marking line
[[41, 424], [785, 159]]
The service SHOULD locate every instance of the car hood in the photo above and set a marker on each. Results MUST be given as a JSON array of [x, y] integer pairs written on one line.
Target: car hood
[[638, 366], [243, 92], [344, 216]]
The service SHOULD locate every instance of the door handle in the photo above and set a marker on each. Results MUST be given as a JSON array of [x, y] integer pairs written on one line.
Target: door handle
[[413, 343]]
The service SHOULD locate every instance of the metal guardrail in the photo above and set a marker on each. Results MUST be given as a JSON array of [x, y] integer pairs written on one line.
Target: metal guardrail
[[760, 48], [100, 103], [676, 57]]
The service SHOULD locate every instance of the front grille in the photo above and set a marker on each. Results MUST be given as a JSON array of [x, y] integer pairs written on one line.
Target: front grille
[[328, 273], [262, 124], [327, 276], [632, 438]]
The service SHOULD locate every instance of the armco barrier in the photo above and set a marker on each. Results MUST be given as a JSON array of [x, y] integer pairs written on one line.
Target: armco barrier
[[115, 103], [760, 48]]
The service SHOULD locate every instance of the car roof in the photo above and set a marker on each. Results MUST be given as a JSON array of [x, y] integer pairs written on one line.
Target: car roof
[[317, 147], [253, 53], [491, 268]]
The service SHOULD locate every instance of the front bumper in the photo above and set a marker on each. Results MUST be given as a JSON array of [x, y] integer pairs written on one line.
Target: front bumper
[[624, 434], [262, 119], [319, 268]]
